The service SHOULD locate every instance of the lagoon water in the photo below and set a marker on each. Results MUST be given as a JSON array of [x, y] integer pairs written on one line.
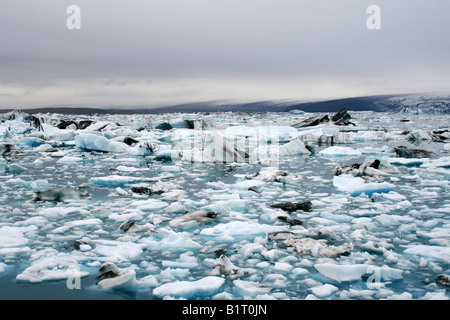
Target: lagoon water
[[399, 234]]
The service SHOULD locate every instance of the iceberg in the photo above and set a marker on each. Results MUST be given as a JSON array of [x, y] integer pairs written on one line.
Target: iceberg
[[125, 280], [240, 230], [340, 152], [93, 142], [354, 272], [443, 162], [324, 290], [294, 147], [211, 208], [436, 252], [12, 237], [50, 265], [164, 239], [356, 185], [117, 251], [202, 288], [250, 288], [114, 181]]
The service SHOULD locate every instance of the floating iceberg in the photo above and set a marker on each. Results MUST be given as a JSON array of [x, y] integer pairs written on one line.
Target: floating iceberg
[[125, 280], [356, 185], [240, 230], [436, 252], [201, 288], [340, 152], [211, 208], [356, 271], [165, 239], [12, 237], [93, 142]]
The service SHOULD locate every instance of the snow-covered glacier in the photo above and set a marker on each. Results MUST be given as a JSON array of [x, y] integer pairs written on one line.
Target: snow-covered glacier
[[225, 205]]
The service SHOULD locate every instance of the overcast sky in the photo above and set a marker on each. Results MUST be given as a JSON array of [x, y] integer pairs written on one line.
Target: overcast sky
[[153, 52]]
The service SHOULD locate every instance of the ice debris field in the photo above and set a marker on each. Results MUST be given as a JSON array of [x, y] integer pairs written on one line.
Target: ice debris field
[[226, 205]]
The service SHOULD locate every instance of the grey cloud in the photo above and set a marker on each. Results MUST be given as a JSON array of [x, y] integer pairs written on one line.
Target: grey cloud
[[266, 40]]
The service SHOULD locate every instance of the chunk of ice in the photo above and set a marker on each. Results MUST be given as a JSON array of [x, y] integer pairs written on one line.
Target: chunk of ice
[[336, 151], [12, 237], [57, 212], [114, 181], [167, 239], [125, 280], [436, 252], [89, 141], [356, 185], [293, 147], [240, 230], [250, 288], [117, 251], [356, 271], [202, 288], [324, 290]]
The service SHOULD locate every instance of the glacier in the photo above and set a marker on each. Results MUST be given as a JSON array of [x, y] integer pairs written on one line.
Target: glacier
[[187, 205]]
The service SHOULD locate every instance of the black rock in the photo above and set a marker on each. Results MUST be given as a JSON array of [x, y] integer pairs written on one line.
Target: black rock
[[37, 122], [443, 280], [130, 141], [375, 164], [195, 124], [80, 125], [220, 252], [211, 215], [127, 225], [343, 169], [254, 189], [295, 222], [342, 118], [65, 124], [406, 152], [313, 121], [107, 275], [9, 150], [83, 124], [441, 135], [283, 235], [146, 190], [294, 206], [61, 194], [78, 243]]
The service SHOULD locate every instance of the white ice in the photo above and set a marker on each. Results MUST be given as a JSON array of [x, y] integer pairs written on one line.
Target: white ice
[[357, 185], [207, 286], [337, 151]]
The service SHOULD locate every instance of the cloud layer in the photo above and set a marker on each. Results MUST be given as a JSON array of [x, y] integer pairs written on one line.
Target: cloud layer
[[161, 52]]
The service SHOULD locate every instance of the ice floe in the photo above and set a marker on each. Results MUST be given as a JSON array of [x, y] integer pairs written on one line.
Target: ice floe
[[227, 205], [356, 185], [204, 287], [340, 152], [356, 271]]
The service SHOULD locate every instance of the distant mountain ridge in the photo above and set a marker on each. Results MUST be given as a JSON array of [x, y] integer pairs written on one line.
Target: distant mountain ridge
[[405, 104]]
